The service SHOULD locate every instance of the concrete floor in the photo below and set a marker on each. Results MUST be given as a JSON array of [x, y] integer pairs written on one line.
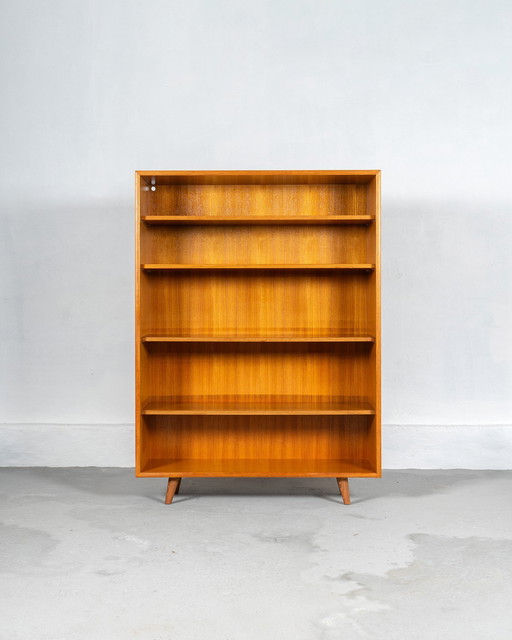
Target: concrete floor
[[94, 553]]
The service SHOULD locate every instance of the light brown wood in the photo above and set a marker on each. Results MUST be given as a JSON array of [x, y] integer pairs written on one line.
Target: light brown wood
[[263, 176], [216, 267], [140, 205], [253, 220], [258, 324], [172, 488], [257, 406], [259, 303], [246, 370], [256, 245], [257, 468], [344, 490], [209, 445], [255, 178], [216, 338]]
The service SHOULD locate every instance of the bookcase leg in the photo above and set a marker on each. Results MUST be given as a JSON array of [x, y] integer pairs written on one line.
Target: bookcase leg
[[344, 490], [178, 487], [172, 486]]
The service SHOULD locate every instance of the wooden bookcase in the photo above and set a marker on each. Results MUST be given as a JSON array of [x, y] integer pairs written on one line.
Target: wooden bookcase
[[258, 324]]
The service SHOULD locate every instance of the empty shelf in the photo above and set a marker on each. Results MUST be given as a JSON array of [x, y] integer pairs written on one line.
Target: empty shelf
[[262, 406], [213, 338], [217, 267], [257, 467], [201, 220]]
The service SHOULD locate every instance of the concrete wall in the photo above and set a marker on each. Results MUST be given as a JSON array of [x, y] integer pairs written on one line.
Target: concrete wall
[[94, 90]]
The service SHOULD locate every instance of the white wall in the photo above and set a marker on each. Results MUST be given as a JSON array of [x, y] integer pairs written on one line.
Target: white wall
[[93, 90]]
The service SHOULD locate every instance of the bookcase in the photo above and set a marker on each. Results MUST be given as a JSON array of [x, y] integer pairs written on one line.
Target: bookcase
[[258, 325]]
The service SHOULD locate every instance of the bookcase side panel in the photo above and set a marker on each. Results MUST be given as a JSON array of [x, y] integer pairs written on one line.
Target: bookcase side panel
[[374, 314]]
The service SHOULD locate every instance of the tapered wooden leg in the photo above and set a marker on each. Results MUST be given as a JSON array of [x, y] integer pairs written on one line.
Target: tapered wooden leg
[[178, 487], [344, 490], [172, 485]]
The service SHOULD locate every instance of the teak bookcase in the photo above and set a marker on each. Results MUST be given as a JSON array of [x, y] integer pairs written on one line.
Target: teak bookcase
[[258, 324]]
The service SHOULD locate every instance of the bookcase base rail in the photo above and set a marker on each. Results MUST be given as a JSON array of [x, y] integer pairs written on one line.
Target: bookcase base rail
[[173, 488]]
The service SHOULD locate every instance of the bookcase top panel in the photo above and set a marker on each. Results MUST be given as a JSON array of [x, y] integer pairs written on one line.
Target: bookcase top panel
[[258, 177]]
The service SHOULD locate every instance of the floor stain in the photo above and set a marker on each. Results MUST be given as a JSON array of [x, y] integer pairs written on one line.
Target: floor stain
[[23, 548], [452, 575], [296, 541]]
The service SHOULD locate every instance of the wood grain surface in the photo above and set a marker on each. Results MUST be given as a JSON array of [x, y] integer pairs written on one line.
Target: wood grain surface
[[258, 324]]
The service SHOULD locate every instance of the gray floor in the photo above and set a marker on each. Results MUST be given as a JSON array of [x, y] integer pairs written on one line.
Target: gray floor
[[94, 553]]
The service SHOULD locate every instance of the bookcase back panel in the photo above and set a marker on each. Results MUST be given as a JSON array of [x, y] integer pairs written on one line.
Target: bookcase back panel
[[248, 369], [257, 200], [256, 244], [259, 437], [256, 303]]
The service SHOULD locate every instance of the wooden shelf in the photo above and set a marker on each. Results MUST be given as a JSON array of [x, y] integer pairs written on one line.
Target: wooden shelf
[[257, 468], [266, 267], [258, 325], [222, 220], [344, 178], [259, 406], [225, 338]]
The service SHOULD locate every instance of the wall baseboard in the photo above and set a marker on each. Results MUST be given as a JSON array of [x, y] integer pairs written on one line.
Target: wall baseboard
[[112, 445], [447, 447], [67, 445]]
